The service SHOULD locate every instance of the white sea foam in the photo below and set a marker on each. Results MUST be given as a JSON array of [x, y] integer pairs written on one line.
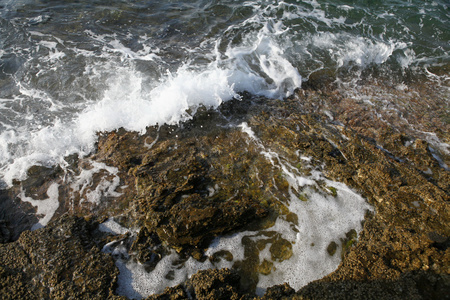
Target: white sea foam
[[134, 101], [345, 48], [83, 183], [323, 217], [345, 7], [261, 63], [113, 45], [111, 226], [136, 283], [46, 207], [54, 53]]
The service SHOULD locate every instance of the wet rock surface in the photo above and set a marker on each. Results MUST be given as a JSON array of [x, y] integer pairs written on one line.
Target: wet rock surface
[[15, 217], [205, 285], [181, 186], [61, 261]]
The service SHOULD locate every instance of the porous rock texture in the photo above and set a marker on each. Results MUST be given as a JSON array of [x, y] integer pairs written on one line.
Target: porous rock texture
[[206, 177]]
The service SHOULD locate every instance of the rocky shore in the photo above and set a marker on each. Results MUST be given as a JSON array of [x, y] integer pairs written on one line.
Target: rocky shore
[[179, 187]]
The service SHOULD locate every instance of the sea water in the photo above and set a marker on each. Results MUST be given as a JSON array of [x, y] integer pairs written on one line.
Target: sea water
[[70, 70]]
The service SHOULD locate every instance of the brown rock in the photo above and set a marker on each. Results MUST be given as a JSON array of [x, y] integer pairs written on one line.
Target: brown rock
[[58, 262]]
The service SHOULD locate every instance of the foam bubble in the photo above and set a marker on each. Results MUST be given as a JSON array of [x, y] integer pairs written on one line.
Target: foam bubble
[[112, 45], [345, 48], [83, 183], [259, 65], [127, 104], [326, 211], [135, 282], [54, 128], [11, 137], [346, 7], [133, 101], [54, 54], [321, 220], [46, 207], [111, 226]]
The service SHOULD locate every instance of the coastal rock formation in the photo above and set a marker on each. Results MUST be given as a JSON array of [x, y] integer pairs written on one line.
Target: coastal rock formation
[[181, 186], [61, 261]]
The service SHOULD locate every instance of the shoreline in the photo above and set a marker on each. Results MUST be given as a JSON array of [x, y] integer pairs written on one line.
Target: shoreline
[[365, 145]]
